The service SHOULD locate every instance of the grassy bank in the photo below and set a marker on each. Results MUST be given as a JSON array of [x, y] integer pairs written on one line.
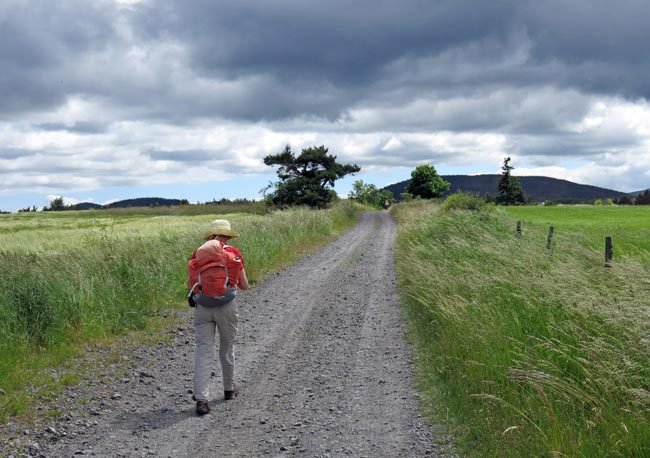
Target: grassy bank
[[528, 352], [73, 278]]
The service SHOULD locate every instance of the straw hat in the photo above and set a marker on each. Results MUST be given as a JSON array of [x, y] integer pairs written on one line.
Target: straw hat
[[220, 227]]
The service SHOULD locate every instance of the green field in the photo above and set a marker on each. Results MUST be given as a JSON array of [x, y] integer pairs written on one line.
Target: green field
[[525, 351], [628, 226], [70, 279]]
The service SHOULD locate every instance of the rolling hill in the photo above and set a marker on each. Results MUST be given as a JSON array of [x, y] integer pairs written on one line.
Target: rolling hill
[[144, 202], [138, 202], [536, 188]]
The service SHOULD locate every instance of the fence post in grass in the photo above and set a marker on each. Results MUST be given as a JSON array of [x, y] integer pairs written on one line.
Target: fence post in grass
[[609, 251], [519, 228], [549, 240]]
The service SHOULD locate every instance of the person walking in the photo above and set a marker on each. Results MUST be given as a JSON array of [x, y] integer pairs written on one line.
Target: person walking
[[214, 314]]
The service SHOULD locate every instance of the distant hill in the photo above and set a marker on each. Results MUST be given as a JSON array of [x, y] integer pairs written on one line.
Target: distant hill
[[536, 189], [84, 206], [144, 202], [139, 202]]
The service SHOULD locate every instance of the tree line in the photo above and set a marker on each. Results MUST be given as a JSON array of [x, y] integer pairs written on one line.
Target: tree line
[[641, 199], [308, 179]]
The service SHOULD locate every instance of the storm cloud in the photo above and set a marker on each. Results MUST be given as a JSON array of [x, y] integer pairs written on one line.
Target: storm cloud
[[142, 85]]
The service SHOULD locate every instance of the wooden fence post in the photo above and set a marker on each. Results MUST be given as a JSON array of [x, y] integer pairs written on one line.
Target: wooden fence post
[[549, 240], [609, 251], [519, 228]]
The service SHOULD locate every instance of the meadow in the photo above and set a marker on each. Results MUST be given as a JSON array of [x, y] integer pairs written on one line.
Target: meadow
[[77, 278], [524, 350], [628, 226]]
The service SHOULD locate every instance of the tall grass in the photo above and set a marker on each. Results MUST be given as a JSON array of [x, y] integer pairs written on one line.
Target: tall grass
[[533, 352], [66, 281]]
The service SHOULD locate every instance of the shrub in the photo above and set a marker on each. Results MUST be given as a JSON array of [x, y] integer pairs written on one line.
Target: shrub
[[464, 201], [369, 194]]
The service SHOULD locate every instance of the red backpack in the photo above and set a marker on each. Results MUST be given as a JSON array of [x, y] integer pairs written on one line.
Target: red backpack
[[213, 269]]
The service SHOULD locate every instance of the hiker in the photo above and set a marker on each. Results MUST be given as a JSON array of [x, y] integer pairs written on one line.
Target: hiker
[[213, 297]]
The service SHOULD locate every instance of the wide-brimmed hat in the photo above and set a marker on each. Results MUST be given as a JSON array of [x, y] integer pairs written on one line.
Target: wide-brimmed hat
[[220, 227]]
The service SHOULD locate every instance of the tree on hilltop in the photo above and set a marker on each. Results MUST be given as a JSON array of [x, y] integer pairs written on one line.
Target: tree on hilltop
[[306, 179]]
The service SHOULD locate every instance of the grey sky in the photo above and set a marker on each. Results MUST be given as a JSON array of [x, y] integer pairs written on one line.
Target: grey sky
[[118, 87]]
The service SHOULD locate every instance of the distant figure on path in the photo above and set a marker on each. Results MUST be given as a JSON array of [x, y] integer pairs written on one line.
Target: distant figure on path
[[216, 272]]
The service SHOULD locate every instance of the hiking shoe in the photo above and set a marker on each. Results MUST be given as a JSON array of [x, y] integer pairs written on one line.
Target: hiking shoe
[[202, 407], [231, 394]]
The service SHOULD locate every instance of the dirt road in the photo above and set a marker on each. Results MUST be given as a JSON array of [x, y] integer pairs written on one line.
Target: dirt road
[[321, 362]]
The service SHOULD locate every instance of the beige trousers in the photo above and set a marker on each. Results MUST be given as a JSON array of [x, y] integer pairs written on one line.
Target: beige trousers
[[207, 320]]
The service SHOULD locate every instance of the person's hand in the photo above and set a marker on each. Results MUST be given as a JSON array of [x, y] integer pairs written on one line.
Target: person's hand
[[190, 301]]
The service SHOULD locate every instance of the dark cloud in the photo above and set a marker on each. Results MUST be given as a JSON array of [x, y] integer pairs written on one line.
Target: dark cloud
[[580, 31], [260, 60], [79, 127], [186, 156], [40, 165], [411, 155], [514, 111], [39, 42], [12, 153], [337, 41], [360, 48], [574, 145]]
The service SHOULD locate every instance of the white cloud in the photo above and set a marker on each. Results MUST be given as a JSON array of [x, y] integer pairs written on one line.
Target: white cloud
[[129, 4], [613, 135], [393, 144]]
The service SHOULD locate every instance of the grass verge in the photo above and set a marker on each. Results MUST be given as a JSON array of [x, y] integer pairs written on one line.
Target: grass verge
[[527, 351]]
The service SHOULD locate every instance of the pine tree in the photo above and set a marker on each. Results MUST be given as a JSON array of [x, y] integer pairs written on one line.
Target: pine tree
[[509, 188], [306, 179]]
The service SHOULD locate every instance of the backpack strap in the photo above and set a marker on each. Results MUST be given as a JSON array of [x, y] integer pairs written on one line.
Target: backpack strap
[[191, 292], [211, 264]]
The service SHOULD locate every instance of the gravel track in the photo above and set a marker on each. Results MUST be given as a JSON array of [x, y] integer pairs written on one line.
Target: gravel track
[[322, 365]]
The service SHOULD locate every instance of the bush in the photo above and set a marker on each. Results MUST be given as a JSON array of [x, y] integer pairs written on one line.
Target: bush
[[369, 194], [463, 201]]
